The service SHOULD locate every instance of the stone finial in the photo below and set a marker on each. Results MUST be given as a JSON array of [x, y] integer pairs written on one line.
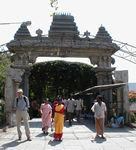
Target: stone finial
[[39, 32], [87, 34], [103, 35], [27, 23], [23, 32]]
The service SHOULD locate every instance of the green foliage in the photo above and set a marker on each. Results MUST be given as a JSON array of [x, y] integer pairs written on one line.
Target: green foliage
[[133, 117], [1, 111], [49, 79], [54, 5], [4, 64]]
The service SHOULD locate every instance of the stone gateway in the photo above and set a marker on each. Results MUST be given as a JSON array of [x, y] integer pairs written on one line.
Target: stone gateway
[[63, 40]]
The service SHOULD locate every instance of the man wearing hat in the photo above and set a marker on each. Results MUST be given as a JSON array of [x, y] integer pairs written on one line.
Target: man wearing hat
[[21, 105]]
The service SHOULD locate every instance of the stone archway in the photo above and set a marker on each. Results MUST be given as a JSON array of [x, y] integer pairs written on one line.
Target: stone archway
[[63, 40]]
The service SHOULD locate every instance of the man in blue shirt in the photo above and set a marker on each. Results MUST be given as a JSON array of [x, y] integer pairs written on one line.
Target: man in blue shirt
[[21, 105]]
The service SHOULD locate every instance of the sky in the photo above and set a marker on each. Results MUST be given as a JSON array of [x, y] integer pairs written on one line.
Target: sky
[[117, 16]]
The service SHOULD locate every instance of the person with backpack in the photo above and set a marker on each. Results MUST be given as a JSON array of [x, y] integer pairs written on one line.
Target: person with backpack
[[21, 106]]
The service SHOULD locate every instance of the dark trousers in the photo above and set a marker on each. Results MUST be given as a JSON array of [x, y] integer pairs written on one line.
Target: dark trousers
[[70, 117], [78, 115]]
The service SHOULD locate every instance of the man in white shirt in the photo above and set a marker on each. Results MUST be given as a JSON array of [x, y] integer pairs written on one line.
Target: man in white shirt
[[99, 109], [79, 106], [70, 109]]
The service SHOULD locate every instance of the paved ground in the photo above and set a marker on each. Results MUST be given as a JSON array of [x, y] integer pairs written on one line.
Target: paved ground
[[76, 137]]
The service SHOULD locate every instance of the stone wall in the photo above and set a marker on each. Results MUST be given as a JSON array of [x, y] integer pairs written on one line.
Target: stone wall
[[122, 93]]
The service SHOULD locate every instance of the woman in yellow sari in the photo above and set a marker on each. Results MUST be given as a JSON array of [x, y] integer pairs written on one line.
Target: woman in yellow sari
[[58, 119]]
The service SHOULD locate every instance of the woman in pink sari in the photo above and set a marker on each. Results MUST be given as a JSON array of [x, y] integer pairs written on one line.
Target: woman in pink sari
[[46, 113]]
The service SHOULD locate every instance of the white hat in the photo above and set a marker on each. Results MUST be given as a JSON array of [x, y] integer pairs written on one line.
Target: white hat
[[19, 91]]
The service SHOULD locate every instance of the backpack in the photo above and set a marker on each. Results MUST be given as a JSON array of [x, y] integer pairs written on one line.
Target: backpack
[[24, 97]]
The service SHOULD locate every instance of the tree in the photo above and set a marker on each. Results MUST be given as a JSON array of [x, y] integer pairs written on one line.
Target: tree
[[4, 64], [49, 79]]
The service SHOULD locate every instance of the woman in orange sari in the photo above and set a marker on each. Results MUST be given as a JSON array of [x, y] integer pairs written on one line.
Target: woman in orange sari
[[58, 120]]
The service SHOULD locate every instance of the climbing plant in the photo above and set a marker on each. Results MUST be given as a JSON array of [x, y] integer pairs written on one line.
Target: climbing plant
[[49, 79], [4, 64]]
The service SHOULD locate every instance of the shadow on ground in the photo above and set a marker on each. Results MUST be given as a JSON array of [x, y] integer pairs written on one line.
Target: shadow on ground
[[13, 144], [86, 122], [54, 142]]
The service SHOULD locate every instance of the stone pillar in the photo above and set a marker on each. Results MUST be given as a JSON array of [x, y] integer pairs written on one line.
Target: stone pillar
[[119, 100], [13, 79], [122, 93], [23, 60], [26, 83], [104, 77]]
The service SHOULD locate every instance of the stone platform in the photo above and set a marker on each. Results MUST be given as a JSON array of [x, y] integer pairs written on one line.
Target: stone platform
[[79, 136]]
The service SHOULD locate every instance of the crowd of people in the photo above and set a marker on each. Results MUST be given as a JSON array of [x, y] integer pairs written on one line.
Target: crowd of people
[[55, 113], [62, 109]]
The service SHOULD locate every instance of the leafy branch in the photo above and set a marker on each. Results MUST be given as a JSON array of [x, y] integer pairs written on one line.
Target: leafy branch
[[54, 5]]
